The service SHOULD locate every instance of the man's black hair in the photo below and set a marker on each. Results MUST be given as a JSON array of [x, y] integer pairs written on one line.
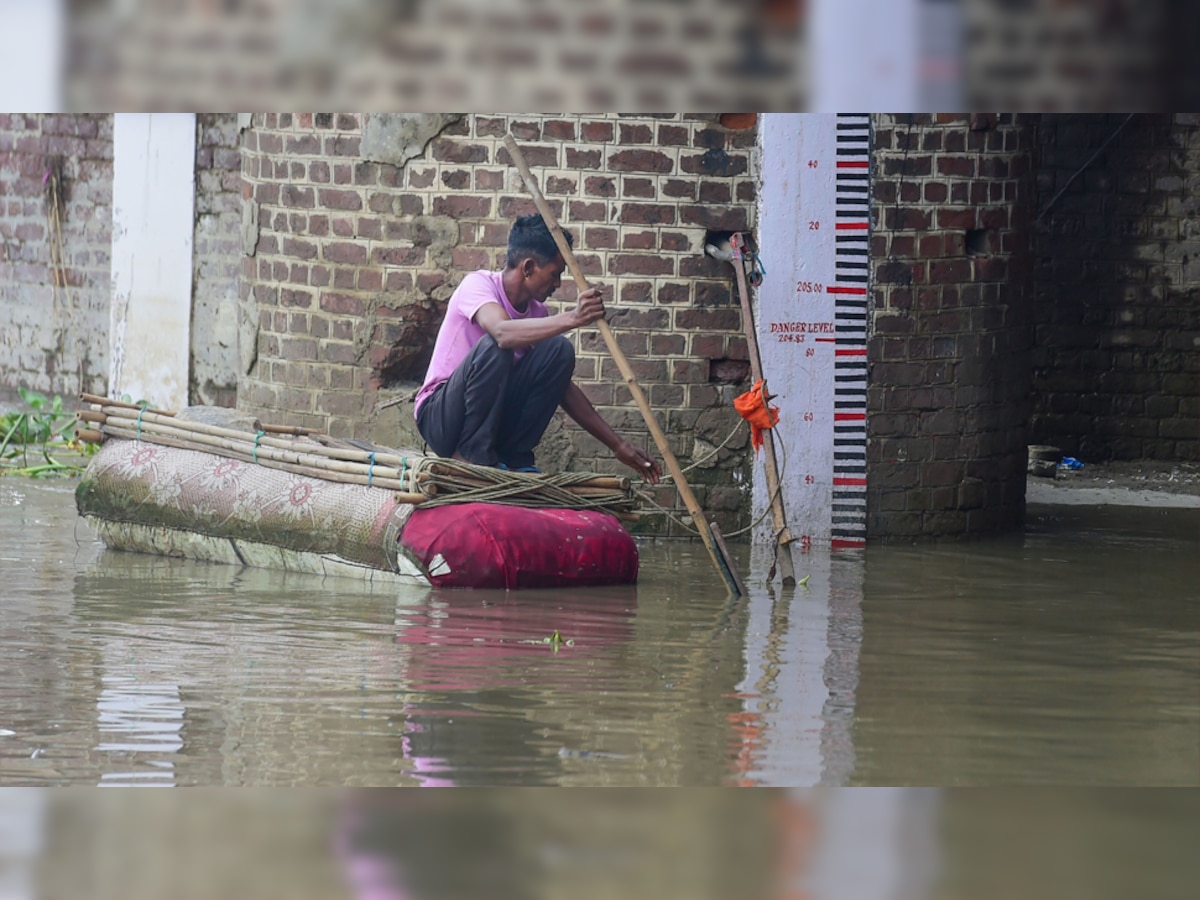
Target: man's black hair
[[531, 237]]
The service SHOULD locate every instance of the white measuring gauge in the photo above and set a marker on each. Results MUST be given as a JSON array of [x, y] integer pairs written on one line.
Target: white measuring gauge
[[811, 313]]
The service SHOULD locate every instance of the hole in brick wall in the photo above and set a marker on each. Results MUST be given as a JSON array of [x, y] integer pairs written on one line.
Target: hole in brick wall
[[720, 239], [728, 371], [977, 241]]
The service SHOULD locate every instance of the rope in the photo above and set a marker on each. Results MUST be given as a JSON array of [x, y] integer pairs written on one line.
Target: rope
[[371, 468], [139, 423], [258, 437]]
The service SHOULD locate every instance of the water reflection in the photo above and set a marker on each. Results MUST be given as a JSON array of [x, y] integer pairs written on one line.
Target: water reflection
[[1067, 655]]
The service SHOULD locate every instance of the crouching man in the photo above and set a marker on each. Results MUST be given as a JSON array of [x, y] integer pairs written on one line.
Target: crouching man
[[501, 366]]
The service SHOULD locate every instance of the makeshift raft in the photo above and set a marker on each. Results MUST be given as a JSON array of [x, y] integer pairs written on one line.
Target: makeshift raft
[[179, 484]]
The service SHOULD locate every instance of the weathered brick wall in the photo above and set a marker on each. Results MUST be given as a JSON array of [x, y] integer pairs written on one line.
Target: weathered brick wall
[[1118, 287], [948, 395], [354, 261], [217, 260], [54, 331]]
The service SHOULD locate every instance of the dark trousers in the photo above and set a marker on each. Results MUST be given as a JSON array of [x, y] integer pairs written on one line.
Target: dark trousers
[[494, 409]]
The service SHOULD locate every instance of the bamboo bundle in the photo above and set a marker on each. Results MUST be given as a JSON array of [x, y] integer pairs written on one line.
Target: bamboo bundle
[[418, 479]]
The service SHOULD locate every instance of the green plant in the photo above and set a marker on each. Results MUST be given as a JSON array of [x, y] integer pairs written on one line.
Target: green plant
[[45, 426]]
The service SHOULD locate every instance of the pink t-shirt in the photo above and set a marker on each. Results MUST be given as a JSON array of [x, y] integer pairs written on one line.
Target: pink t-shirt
[[459, 332]]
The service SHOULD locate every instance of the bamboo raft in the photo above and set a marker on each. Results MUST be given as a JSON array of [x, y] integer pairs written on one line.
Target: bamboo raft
[[226, 487], [416, 478]]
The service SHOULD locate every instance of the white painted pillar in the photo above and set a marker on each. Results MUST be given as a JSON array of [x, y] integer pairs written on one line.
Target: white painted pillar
[[154, 156], [32, 62]]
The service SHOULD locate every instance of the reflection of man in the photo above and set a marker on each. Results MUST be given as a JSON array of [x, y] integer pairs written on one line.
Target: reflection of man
[[501, 367]]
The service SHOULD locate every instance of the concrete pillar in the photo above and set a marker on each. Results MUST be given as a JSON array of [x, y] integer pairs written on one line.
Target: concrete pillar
[[154, 157]]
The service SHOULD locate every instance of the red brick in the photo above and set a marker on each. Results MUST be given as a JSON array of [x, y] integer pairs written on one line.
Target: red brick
[[398, 256], [470, 258], [640, 161], [343, 173], [489, 127], [638, 187], [679, 187], [601, 238], [582, 211], [294, 298], [647, 214], [370, 279], [673, 135], [633, 292], [449, 150], [582, 159], [639, 264], [342, 145], [936, 192], [348, 253], [556, 185], [956, 165], [371, 229], [635, 134], [461, 207], [291, 195], [559, 130], [675, 241], [713, 162], [344, 278], [951, 270], [318, 171], [348, 122], [299, 249], [332, 198], [599, 132], [715, 192], [956, 218], [709, 319], [457, 179], [534, 156], [525, 131], [486, 180], [600, 186], [642, 240], [421, 178]]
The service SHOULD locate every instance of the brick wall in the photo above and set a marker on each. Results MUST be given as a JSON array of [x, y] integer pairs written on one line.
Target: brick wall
[[218, 256], [54, 332], [950, 333], [354, 260], [1118, 287]]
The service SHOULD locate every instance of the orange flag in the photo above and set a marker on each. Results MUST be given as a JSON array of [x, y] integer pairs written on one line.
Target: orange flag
[[753, 407]]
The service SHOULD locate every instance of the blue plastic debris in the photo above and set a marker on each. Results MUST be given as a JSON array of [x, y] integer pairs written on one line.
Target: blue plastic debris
[[1070, 462]]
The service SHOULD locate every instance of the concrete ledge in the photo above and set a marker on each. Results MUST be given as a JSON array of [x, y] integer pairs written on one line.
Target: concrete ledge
[[1056, 493]]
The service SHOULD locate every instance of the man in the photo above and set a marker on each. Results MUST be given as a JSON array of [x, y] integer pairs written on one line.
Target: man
[[501, 367]]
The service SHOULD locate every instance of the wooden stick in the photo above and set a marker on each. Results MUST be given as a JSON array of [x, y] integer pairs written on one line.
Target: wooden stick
[[107, 401], [89, 436], [783, 554], [721, 560]]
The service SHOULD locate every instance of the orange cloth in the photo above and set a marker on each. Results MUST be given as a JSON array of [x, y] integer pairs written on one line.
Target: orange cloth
[[753, 407]]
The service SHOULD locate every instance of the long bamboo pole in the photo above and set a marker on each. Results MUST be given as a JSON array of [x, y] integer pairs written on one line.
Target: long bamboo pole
[[721, 560], [783, 538]]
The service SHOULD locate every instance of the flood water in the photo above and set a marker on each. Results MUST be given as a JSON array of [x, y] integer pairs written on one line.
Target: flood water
[[1067, 655]]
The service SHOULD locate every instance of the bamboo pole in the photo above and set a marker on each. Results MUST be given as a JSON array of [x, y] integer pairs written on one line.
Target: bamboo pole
[[402, 496], [260, 452], [783, 553], [721, 560]]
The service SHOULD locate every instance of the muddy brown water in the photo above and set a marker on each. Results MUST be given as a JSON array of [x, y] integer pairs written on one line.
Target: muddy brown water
[[1066, 655]]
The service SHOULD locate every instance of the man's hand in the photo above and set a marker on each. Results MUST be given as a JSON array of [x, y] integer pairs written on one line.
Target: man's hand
[[638, 460], [589, 307]]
